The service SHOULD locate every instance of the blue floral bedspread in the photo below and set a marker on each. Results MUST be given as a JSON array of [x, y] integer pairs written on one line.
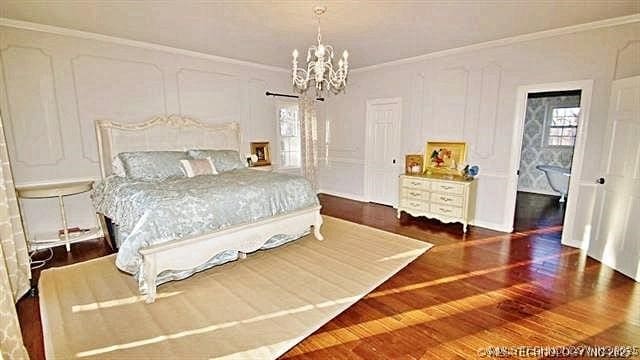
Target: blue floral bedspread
[[153, 212]]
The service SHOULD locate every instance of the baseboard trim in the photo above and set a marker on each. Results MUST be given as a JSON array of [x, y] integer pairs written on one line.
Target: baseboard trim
[[343, 195], [492, 226]]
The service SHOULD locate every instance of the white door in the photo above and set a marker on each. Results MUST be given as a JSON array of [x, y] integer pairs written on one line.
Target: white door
[[617, 243], [382, 150]]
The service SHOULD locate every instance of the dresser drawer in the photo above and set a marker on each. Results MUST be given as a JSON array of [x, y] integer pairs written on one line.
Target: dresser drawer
[[414, 183], [414, 204], [414, 194], [446, 199], [445, 210], [447, 187]]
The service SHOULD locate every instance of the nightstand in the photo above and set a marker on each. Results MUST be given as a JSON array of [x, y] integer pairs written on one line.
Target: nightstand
[[262, 168], [58, 190]]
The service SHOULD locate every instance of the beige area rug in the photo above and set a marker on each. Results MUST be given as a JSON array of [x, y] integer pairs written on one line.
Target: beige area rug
[[258, 307]]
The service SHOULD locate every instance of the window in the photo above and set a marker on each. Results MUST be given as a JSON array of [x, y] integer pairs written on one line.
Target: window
[[289, 131], [562, 126]]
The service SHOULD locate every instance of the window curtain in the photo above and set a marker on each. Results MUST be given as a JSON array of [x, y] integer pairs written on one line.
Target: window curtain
[[309, 140], [15, 270]]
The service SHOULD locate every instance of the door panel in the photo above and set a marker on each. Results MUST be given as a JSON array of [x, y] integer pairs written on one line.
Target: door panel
[[382, 151], [617, 243]]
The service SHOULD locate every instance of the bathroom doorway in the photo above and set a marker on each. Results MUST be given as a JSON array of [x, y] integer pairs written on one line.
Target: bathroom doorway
[[549, 141], [546, 155]]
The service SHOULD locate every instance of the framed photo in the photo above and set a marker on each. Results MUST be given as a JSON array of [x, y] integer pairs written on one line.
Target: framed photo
[[445, 157], [262, 152], [413, 164]]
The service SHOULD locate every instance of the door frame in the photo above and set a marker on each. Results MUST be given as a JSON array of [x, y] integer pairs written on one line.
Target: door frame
[[367, 141], [586, 88]]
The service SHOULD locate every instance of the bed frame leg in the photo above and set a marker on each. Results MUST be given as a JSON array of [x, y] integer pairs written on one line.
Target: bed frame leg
[[316, 227], [150, 278]]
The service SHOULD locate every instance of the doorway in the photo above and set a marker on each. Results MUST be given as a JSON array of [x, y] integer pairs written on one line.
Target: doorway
[[548, 140], [548, 146], [382, 151]]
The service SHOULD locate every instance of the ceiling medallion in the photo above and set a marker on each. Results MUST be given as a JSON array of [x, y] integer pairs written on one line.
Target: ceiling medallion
[[320, 69]]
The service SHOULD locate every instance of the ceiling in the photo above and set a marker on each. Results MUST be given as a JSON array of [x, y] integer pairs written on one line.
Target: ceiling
[[266, 31]]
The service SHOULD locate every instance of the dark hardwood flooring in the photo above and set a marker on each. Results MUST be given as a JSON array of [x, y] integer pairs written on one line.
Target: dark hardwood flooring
[[471, 291]]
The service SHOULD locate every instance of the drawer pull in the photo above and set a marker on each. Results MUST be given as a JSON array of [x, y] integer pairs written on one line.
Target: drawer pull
[[415, 183], [414, 194], [446, 187], [445, 210], [414, 204], [445, 199]]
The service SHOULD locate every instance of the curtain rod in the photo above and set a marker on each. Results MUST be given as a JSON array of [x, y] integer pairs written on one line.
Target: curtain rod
[[268, 93]]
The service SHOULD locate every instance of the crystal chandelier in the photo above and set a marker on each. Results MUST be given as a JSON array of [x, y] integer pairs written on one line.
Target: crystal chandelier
[[320, 70]]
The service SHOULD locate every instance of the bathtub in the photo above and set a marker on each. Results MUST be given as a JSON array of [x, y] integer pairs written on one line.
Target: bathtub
[[558, 178]]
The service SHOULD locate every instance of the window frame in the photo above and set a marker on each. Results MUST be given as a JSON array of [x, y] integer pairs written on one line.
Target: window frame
[[279, 105], [548, 125]]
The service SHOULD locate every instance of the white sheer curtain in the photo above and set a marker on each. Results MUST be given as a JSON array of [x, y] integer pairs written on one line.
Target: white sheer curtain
[[309, 139], [14, 262]]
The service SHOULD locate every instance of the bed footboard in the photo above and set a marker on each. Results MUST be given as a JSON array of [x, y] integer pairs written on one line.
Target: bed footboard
[[190, 253]]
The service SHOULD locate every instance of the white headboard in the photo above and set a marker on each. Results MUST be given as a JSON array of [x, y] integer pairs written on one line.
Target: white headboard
[[173, 132]]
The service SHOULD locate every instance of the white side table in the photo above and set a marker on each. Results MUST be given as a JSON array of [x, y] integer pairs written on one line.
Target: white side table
[[59, 190]]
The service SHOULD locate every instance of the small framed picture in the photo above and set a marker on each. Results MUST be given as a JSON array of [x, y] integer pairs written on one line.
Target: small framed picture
[[262, 152], [413, 164]]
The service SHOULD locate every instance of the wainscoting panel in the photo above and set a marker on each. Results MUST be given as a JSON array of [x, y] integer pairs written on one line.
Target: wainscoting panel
[[53, 87], [446, 102], [32, 110], [484, 141], [490, 191], [114, 89], [342, 177], [261, 121], [210, 96]]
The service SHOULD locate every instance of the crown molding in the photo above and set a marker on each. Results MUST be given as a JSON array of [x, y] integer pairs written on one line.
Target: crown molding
[[57, 30], [622, 20]]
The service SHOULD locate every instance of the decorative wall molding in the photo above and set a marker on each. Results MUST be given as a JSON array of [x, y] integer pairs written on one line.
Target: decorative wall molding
[[224, 77], [490, 83], [622, 20], [627, 55], [447, 100], [57, 30], [87, 127], [351, 161], [53, 136]]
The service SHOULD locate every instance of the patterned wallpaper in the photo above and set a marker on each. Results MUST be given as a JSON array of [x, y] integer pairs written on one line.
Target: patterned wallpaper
[[533, 152]]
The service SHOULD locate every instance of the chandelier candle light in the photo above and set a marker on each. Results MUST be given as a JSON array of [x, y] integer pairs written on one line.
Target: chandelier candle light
[[321, 69]]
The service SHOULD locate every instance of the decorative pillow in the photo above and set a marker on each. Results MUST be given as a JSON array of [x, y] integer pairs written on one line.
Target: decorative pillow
[[117, 168], [224, 160], [152, 165], [196, 167]]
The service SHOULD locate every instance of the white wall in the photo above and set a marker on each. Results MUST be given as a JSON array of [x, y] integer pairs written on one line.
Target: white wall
[[53, 87], [471, 96]]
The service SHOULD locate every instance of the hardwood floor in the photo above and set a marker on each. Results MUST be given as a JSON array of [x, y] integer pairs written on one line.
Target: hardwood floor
[[471, 291]]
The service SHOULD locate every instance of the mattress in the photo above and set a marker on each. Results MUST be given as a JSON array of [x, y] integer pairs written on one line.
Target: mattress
[[153, 212]]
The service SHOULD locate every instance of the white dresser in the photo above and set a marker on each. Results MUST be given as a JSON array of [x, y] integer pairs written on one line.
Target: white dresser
[[443, 197]]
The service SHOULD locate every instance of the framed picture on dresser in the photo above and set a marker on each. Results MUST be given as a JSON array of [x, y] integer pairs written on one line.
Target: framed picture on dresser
[[445, 157], [413, 164], [261, 151]]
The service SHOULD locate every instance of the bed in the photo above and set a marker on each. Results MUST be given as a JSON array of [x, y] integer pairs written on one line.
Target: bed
[[169, 228]]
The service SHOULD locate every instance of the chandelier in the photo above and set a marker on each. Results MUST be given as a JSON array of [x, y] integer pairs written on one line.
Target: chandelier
[[320, 68]]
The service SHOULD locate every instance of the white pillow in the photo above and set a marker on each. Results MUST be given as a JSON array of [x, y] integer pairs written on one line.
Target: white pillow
[[196, 167], [117, 167]]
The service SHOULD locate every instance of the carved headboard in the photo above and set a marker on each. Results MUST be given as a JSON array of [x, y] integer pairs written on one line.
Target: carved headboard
[[173, 132]]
